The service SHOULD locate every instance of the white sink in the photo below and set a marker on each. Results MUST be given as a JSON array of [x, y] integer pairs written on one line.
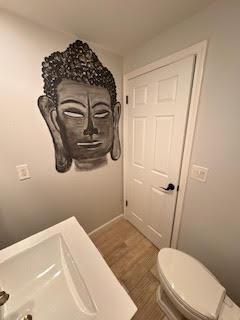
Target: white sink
[[59, 274]]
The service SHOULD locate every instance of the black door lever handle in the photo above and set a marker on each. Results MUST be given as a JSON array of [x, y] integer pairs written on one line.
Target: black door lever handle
[[170, 187]]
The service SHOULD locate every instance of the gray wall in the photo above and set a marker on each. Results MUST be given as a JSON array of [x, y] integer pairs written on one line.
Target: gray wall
[[29, 206], [210, 227]]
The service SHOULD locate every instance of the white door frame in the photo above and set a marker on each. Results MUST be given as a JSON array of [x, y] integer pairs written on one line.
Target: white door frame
[[199, 50]]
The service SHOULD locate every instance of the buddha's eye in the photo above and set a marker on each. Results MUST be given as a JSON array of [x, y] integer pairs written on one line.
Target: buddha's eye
[[101, 114], [73, 114]]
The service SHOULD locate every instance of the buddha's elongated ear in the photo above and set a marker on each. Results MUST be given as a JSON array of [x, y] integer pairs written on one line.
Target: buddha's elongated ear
[[116, 147], [49, 113]]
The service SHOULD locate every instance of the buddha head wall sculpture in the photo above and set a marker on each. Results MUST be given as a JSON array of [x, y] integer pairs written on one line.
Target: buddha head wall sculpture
[[80, 108]]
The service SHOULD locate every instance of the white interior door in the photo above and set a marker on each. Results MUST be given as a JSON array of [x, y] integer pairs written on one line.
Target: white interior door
[[157, 117]]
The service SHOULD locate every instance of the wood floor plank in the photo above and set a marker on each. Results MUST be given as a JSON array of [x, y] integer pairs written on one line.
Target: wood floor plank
[[141, 267], [150, 311], [132, 258], [116, 255], [113, 238], [132, 239], [144, 290]]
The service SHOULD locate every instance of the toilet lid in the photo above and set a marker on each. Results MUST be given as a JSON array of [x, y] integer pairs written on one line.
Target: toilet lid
[[191, 283]]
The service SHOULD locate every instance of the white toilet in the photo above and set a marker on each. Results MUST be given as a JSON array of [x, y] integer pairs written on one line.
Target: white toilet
[[188, 289]]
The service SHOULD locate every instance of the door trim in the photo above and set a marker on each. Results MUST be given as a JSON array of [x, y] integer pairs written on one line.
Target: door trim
[[199, 50]]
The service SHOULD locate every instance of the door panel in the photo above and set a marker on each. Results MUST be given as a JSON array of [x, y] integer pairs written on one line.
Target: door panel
[[139, 135], [137, 208], [157, 117], [140, 96], [162, 144], [167, 89]]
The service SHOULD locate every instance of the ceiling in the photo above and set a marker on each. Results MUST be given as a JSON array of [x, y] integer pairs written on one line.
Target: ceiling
[[118, 25]]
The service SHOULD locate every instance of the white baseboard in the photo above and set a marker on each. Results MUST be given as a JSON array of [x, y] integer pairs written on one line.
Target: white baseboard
[[106, 224]]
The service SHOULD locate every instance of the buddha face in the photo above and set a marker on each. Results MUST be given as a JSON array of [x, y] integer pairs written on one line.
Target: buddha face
[[84, 125], [85, 119]]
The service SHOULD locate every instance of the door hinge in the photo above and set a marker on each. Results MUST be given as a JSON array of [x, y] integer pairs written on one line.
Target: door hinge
[[126, 203], [177, 188], [126, 99]]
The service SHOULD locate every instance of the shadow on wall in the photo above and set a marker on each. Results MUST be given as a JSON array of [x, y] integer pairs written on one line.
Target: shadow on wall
[[4, 234]]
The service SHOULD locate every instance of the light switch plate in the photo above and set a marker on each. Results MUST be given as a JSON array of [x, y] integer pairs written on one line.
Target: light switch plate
[[23, 172], [199, 173]]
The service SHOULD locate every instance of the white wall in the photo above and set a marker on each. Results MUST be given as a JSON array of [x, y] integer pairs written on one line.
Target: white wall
[[211, 220], [49, 197]]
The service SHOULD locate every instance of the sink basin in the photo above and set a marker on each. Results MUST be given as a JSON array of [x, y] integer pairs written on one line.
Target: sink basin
[[59, 274]]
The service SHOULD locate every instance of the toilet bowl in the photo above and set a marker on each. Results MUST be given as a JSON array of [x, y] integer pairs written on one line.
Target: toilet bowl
[[189, 290]]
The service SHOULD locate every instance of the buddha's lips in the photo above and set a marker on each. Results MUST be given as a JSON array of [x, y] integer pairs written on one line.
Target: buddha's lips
[[89, 144]]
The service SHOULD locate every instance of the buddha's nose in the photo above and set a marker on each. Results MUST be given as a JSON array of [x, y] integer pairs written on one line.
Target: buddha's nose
[[90, 130]]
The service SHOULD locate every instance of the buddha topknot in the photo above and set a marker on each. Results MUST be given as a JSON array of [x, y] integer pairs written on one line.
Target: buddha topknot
[[79, 63]]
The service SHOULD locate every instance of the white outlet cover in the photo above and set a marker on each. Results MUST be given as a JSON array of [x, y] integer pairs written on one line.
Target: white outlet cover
[[199, 173], [23, 172]]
